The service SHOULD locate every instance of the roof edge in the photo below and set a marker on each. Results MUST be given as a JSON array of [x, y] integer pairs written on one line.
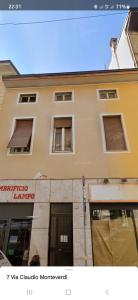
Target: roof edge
[[8, 61], [60, 74]]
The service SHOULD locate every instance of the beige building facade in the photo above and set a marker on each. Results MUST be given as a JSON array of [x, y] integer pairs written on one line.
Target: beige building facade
[[68, 167]]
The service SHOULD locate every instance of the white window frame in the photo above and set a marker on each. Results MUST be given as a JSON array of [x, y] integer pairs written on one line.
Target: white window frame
[[32, 139], [27, 93], [52, 135], [108, 99], [64, 101], [124, 131]]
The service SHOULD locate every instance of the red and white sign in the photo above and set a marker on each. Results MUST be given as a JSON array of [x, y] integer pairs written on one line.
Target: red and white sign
[[19, 192]]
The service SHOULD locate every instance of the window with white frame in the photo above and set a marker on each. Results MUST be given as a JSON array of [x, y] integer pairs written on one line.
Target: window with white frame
[[63, 96], [20, 141], [62, 134], [114, 133], [27, 98], [108, 94]]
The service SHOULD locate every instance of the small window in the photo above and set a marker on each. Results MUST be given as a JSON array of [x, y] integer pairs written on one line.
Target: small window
[[62, 135], [20, 141], [114, 133], [108, 94], [65, 96], [27, 98]]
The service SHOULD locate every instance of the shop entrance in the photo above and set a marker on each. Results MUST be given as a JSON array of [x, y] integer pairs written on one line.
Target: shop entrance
[[61, 235], [15, 232], [115, 234]]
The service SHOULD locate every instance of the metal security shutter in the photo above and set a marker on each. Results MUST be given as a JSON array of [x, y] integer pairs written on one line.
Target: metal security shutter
[[114, 134], [22, 134]]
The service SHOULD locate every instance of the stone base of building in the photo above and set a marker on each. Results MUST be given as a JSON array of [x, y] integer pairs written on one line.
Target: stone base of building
[[69, 222]]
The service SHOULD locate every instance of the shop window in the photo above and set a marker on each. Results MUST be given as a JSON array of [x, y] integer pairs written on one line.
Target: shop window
[[3, 225], [20, 141], [15, 232], [19, 242], [114, 133], [108, 94], [114, 235], [27, 98], [63, 96], [62, 135]]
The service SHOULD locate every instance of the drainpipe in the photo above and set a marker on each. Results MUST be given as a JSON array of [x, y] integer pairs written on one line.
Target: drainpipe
[[84, 218]]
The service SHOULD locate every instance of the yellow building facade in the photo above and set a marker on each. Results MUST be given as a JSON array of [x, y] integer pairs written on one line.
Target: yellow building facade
[[68, 167]]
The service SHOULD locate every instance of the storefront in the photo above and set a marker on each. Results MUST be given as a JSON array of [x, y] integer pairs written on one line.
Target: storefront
[[15, 231], [35, 219], [114, 225]]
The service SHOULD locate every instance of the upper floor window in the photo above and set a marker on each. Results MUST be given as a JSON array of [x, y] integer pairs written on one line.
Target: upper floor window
[[20, 141], [114, 133], [62, 135], [27, 98], [107, 94], [63, 96]]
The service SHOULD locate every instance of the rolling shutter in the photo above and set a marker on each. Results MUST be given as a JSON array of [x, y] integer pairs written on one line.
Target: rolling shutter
[[114, 134], [62, 122]]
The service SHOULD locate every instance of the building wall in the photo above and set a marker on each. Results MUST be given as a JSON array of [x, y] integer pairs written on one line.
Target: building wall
[[89, 158], [2, 91], [134, 42], [123, 54]]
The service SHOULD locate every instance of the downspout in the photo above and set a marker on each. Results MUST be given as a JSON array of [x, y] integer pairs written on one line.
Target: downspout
[[84, 219]]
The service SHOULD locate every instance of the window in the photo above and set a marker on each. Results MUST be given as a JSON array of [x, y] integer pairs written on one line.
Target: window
[[20, 141], [62, 135], [114, 133], [108, 94], [64, 96], [27, 98]]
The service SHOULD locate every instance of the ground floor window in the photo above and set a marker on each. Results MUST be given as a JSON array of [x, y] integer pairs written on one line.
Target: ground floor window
[[115, 234]]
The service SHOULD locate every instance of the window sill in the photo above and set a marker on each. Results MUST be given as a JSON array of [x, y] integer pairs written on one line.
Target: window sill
[[19, 154], [63, 101], [27, 102], [116, 152], [62, 152], [110, 99]]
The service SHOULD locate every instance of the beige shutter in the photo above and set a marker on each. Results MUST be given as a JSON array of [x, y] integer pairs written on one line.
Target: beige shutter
[[22, 134], [114, 134], [111, 241], [62, 122]]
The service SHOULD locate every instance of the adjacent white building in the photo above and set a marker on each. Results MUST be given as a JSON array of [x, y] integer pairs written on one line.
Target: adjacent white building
[[125, 49]]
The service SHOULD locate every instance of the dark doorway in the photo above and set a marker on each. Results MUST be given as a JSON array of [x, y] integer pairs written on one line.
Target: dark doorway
[[15, 232], [61, 235]]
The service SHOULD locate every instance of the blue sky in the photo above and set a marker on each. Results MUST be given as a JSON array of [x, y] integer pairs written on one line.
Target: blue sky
[[59, 46]]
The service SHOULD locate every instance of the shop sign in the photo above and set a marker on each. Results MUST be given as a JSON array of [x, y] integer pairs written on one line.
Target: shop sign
[[19, 192], [113, 192]]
